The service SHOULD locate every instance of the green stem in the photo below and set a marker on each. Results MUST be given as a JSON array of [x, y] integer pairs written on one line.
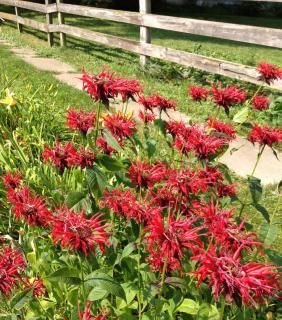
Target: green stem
[[82, 278], [258, 158], [163, 278], [97, 122]]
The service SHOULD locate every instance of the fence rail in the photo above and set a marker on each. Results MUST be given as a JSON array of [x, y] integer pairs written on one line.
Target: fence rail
[[145, 20]]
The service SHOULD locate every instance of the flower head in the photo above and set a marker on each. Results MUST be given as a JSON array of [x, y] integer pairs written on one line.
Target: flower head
[[30, 208], [265, 135], [121, 126], [228, 96], [157, 101], [12, 180], [260, 103], [198, 93], [81, 121], [269, 72], [146, 117], [167, 241], [87, 315], [11, 264], [176, 128], [37, 286], [224, 129], [75, 232], [104, 146], [128, 89]]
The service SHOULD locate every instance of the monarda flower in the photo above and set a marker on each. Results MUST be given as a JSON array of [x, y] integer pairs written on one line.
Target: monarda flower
[[98, 86], [226, 190], [121, 126], [81, 121], [264, 135], [36, 285], [163, 104], [30, 208], [176, 128], [198, 93], [144, 175], [87, 315], [250, 283], [260, 103], [146, 117], [11, 265], [83, 158], [167, 241], [228, 96], [221, 128], [12, 180], [269, 72], [75, 232], [126, 88], [147, 103], [61, 156]]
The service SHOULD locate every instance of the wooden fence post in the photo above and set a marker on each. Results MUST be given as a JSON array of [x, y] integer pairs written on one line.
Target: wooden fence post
[[19, 26], [49, 20], [145, 33], [61, 20]]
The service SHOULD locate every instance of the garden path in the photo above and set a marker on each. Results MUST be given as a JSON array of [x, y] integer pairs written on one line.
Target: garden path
[[241, 161]]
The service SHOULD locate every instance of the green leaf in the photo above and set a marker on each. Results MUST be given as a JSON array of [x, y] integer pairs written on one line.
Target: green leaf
[[112, 141], [151, 147], [20, 299], [128, 250], [176, 282], [65, 274], [208, 312], [159, 123], [242, 115], [268, 233], [74, 198], [262, 210], [111, 164], [107, 283], [255, 188], [188, 306], [96, 180], [274, 256], [97, 293]]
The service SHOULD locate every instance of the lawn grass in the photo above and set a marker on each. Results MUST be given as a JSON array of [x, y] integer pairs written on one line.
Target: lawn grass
[[29, 80]]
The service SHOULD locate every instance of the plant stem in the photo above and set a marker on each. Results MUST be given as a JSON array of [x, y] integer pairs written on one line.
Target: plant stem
[[82, 278], [97, 122], [258, 158], [139, 274], [163, 278]]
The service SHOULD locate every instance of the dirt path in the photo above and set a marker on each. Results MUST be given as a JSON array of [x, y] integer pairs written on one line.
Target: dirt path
[[241, 162]]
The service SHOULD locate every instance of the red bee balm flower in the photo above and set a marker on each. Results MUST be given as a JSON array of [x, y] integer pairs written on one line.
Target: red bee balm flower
[[98, 86], [30, 208], [75, 232], [11, 264], [146, 117], [269, 72], [228, 96], [260, 103], [81, 121], [121, 126], [222, 128], [37, 286], [265, 135], [156, 101], [104, 146], [87, 315], [198, 93], [168, 240], [11, 180], [126, 88], [228, 276]]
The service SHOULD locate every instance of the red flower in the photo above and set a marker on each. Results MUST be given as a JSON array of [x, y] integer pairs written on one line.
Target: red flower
[[75, 232], [30, 208], [260, 103], [204, 146], [81, 121], [198, 93], [156, 101], [176, 128], [210, 176], [167, 241], [224, 190], [228, 96], [146, 117], [82, 158], [146, 175], [164, 197], [61, 156], [228, 276], [37, 286], [87, 315], [225, 129], [104, 146], [121, 126], [265, 135], [126, 88], [11, 264], [12, 180], [98, 86], [269, 72]]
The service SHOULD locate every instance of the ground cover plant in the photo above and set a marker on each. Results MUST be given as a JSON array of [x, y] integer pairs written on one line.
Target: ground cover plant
[[104, 216]]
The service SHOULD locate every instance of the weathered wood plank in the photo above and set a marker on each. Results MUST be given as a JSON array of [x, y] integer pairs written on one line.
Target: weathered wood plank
[[49, 21], [107, 14], [244, 33], [19, 26], [61, 20], [25, 5], [8, 16], [145, 33]]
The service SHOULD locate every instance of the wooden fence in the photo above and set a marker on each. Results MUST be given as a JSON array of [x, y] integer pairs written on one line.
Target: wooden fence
[[145, 20]]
